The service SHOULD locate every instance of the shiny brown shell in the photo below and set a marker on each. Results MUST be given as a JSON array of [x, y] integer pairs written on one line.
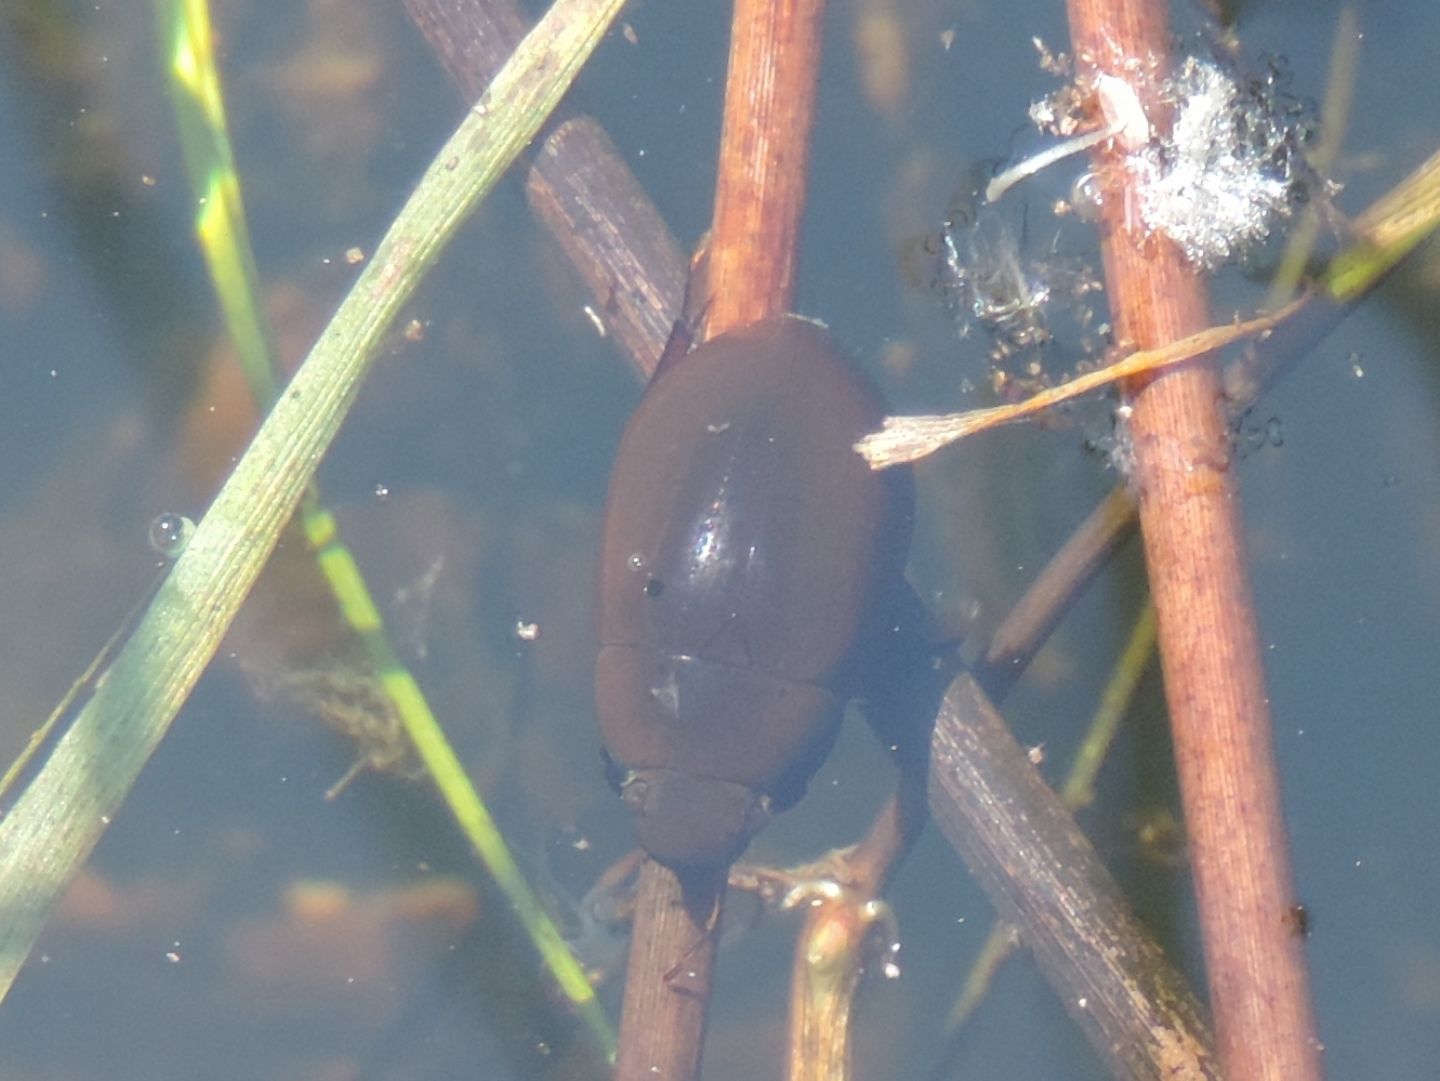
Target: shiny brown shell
[[746, 550]]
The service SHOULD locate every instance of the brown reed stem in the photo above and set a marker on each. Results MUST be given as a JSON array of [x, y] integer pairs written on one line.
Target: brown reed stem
[[760, 199], [1062, 580], [1043, 875], [1190, 520]]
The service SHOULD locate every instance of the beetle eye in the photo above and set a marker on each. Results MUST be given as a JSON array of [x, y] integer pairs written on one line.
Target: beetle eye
[[654, 587]]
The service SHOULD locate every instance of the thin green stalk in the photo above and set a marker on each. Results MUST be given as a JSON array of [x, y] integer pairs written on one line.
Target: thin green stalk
[[1078, 791], [1334, 120], [186, 41], [60, 816], [1386, 232]]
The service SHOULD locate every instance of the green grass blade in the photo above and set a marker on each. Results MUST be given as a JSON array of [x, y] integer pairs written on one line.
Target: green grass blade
[[186, 40], [60, 816], [1386, 232]]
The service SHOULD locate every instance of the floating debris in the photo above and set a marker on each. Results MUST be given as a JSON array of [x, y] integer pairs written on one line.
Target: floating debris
[[904, 439], [1222, 172], [1230, 172], [1208, 152]]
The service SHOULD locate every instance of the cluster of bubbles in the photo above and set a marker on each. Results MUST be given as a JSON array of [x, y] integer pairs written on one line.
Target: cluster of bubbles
[[1036, 312]]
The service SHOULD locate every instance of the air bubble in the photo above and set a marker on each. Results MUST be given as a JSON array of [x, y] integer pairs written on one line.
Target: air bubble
[[1087, 197], [170, 533]]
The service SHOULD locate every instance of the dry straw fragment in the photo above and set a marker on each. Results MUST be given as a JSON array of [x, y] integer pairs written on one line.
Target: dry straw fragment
[[909, 438]]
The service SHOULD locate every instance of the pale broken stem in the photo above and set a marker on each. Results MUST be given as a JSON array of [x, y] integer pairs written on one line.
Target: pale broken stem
[[910, 438], [1023, 170], [838, 939]]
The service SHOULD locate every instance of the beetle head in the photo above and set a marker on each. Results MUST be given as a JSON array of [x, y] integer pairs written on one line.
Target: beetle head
[[686, 821]]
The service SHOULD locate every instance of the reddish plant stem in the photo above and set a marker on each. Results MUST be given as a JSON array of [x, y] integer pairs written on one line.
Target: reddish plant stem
[[759, 199], [669, 975], [1190, 520], [764, 158]]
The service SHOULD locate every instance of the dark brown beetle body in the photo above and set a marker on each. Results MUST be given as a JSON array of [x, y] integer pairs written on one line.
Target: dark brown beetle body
[[748, 554]]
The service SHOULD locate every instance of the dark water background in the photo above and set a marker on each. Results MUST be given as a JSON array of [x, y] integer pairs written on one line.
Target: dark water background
[[234, 923]]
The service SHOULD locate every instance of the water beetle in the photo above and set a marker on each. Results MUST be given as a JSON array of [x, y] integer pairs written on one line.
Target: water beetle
[[748, 563]]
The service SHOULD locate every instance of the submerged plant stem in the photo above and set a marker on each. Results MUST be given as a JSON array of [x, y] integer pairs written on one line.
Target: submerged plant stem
[[578, 185], [1043, 875]]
